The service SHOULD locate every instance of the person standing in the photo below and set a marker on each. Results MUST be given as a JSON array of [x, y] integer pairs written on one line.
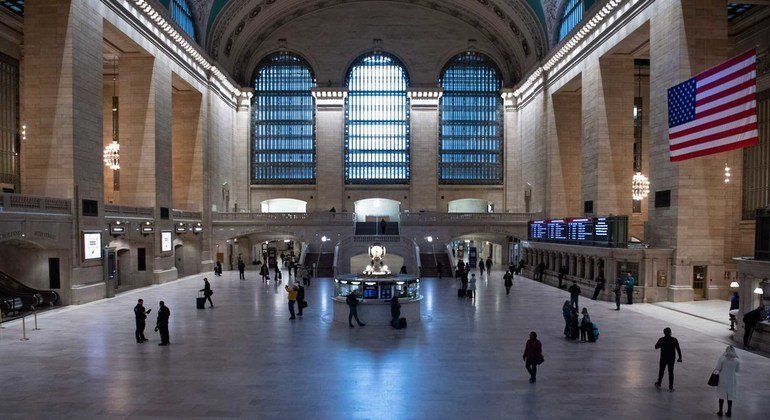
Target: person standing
[[540, 271], [464, 280], [508, 281], [669, 349], [440, 269], [600, 282], [241, 269], [161, 324], [472, 286], [562, 273], [630, 281], [395, 312], [533, 356], [489, 265], [218, 270], [295, 262], [352, 301], [727, 367], [141, 315], [566, 312], [292, 295], [481, 267], [300, 297], [265, 273], [383, 226], [574, 294], [735, 301], [586, 326], [574, 323], [750, 321], [617, 290], [207, 292]]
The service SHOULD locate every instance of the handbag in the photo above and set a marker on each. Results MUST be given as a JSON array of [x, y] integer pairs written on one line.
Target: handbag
[[714, 378], [540, 360], [304, 304]]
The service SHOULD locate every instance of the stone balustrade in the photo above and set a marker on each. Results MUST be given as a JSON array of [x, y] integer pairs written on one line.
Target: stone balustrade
[[314, 218], [440, 219], [17, 203], [188, 215], [112, 210]]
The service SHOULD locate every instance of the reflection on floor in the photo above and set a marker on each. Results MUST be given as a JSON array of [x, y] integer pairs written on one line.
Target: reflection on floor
[[244, 358]]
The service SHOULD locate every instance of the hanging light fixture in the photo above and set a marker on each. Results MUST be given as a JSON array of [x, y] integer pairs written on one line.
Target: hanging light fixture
[[727, 174], [112, 151], [640, 185]]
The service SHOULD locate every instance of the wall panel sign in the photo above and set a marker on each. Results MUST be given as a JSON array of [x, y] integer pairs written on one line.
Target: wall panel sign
[[590, 231], [92, 246], [165, 241]]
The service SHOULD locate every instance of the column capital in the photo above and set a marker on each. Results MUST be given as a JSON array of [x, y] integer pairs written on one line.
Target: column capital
[[424, 97], [510, 100], [330, 97], [244, 99]]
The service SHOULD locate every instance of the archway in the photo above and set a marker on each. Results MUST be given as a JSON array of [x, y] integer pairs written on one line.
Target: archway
[[470, 205], [124, 268], [371, 212]]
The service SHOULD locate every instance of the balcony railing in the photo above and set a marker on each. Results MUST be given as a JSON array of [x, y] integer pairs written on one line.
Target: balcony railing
[[18, 203], [315, 218], [112, 210], [440, 219], [184, 214]]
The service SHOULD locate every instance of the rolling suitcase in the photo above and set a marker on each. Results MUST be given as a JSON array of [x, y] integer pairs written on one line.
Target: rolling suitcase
[[402, 323], [595, 331], [469, 293], [200, 301], [460, 293]]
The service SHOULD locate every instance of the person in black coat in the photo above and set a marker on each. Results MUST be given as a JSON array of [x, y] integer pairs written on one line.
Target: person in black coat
[[395, 312], [574, 294], [669, 348], [440, 269], [265, 272], [141, 315], [241, 269], [562, 273], [218, 269], [161, 324], [540, 271], [600, 282], [300, 297], [207, 292], [352, 301], [750, 321], [508, 281], [383, 226]]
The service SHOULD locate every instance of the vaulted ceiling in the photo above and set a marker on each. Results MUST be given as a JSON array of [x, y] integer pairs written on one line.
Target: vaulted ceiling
[[234, 30]]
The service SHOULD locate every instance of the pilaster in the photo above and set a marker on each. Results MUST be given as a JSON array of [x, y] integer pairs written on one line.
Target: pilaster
[[330, 147], [424, 128]]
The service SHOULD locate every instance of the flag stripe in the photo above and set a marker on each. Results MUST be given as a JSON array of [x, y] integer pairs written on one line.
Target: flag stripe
[[748, 55], [746, 93], [716, 123], [724, 148], [704, 87], [742, 99], [698, 122], [741, 128], [726, 92]]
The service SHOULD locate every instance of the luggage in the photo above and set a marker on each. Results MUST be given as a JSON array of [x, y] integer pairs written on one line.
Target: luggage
[[469, 293], [595, 336], [394, 323], [200, 302], [402, 323], [460, 292]]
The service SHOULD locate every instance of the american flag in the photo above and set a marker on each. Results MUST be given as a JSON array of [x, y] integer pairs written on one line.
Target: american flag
[[715, 111]]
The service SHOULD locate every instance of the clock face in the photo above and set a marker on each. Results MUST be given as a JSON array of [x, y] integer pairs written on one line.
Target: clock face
[[376, 251]]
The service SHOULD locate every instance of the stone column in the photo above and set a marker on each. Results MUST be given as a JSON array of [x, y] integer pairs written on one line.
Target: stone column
[[330, 148], [608, 134], [564, 155], [424, 128], [241, 192], [686, 38], [513, 194]]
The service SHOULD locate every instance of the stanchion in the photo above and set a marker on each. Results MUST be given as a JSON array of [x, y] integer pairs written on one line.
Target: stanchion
[[1, 320], [24, 329], [36, 328]]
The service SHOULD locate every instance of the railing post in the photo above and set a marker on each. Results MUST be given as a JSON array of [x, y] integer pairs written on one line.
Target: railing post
[[24, 329], [36, 328], [1, 320]]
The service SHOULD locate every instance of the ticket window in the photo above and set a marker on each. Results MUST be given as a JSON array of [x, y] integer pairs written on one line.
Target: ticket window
[[386, 291]]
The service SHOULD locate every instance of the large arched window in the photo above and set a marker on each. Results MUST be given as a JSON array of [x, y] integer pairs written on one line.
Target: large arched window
[[283, 128], [572, 15], [377, 121], [471, 136], [180, 12]]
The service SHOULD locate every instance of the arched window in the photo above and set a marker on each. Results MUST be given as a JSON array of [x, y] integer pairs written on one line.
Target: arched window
[[283, 126], [377, 121], [572, 15], [471, 136], [180, 12]]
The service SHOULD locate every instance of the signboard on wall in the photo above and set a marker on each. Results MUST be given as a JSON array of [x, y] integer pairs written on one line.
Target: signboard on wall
[[165, 241], [92, 246], [590, 231]]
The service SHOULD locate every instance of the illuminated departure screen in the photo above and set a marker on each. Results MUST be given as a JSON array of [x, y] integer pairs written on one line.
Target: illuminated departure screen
[[590, 231]]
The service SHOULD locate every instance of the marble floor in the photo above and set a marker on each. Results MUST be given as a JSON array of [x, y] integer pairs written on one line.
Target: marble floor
[[245, 359]]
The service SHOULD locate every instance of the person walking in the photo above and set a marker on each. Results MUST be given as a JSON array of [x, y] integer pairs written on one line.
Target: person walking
[[264, 271], [750, 321], [727, 367], [617, 290], [540, 271], [472, 286], [352, 301], [566, 312], [735, 301], [300, 297], [395, 312], [586, 326], [304, 274], [630, 281], [600, 282], [440, 269], [508, 281], [140, 314], [207, 292], [241, 269], [669, 348], [464, 280], [161, 323], [481, 268], [533, 356], [489, 265], [562, 273], [277, 277], [574, 294], [218, 269], [292, 295]]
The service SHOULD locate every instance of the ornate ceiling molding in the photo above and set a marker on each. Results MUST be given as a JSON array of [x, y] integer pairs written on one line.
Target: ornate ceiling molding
[[510, 26]]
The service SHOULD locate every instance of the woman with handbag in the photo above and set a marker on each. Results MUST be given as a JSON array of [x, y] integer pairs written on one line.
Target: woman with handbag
[[725, 370], [533, 356]]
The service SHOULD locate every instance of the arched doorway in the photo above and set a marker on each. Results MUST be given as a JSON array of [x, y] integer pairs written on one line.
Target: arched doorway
[[124, 268], [372, 212], [284, 205]]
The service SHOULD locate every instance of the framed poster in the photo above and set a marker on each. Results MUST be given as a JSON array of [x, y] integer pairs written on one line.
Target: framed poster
[[92, 246], [165, 241]]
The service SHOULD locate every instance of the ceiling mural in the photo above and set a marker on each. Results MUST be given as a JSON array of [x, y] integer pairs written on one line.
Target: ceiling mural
[[520, 29]]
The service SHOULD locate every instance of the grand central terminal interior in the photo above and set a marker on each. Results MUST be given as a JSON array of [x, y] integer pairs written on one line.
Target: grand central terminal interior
[[454, 175]]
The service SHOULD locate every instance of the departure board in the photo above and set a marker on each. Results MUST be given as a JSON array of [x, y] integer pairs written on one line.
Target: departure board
[[609, 231]]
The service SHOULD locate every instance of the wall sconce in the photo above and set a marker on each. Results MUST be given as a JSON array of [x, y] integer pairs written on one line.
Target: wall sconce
[[181, 228], [117, 229], [198, 228], [148, 228]]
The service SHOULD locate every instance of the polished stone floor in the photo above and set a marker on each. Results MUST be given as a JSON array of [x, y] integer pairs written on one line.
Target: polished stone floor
[[245, 358]]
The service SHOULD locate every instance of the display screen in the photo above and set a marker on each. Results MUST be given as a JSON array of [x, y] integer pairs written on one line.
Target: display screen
[[591, 231], [165, 241], [386, 290], [370, 291], [92, 245]]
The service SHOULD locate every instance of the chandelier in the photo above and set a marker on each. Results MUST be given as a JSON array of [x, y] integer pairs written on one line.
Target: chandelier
[[640, 187], [112, 156], [112, 150]]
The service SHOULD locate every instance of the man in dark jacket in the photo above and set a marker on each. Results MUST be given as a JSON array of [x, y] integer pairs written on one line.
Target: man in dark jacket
[[141, 315], [241, 269], [440, 269], [618, 291], [508, 281], [395, 312], [669, 349], [540, 272], [600, 282], [574, 293], [562, 273], [533, 356], [161, 325], [352, 301], [300, 297], [750, 321]]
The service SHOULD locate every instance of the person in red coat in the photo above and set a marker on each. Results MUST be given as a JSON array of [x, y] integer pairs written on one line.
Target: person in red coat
[[533, 356]]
